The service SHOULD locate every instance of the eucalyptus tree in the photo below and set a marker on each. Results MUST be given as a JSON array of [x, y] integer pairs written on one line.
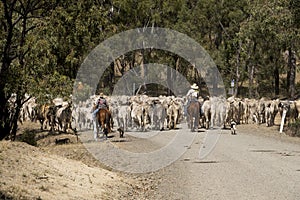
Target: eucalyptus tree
[[265, 35], [19, 21]]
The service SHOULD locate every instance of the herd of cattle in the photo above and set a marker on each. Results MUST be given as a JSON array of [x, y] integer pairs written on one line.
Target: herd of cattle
[[142, 112]]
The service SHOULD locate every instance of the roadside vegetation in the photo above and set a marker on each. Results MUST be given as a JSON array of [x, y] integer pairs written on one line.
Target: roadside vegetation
[[43, 43]]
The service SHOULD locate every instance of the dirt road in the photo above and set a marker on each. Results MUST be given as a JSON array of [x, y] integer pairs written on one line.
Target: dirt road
[[255, 164]]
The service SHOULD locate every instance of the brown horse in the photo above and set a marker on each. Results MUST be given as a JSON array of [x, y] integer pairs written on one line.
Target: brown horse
[[193, 114], [105, 120]]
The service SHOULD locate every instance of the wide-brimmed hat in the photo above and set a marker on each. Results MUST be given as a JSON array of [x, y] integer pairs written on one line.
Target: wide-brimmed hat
[[195, 86]]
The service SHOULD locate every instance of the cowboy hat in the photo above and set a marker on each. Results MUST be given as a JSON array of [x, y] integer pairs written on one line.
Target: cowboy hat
[[195, 86]]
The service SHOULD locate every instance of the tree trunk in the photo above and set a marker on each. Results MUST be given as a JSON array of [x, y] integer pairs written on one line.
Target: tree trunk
[[16, 115], [236, 86], [251, 70], [20, 89], [276, 80], [251, 78], [4, 116], [4, 70], [4, 105], [292, 73]]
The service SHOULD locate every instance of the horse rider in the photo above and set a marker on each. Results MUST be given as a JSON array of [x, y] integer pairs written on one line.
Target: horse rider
[[192, 96], [101, 104], [193, 93]]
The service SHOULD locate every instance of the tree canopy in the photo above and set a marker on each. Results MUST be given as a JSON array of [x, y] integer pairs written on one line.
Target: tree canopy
[[43, 43]]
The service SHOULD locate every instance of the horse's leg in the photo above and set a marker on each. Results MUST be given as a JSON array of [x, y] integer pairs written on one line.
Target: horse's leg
[[103, 129], [191, 123], [193, 120], [188, 119], [196, 122], [105, 133]]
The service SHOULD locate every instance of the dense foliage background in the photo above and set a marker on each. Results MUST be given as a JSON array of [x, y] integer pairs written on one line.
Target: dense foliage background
[[43, 43]]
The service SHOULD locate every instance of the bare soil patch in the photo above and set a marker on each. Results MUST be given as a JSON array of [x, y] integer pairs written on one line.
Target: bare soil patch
[[28, 173], [65, 171]]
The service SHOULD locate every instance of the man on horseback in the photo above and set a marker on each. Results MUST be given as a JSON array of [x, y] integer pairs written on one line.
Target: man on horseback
[[193, 93], [192, 96], [101, 104], [102, 117]]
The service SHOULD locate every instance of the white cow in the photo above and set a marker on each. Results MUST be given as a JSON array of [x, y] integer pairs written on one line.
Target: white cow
[[271, 109], [138, 115], [174, 111], [206, 109], [123, 116], [219, 110], [158, 114]]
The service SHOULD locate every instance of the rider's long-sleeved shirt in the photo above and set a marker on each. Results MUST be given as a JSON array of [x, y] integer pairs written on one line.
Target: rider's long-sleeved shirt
[[192, 93]]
